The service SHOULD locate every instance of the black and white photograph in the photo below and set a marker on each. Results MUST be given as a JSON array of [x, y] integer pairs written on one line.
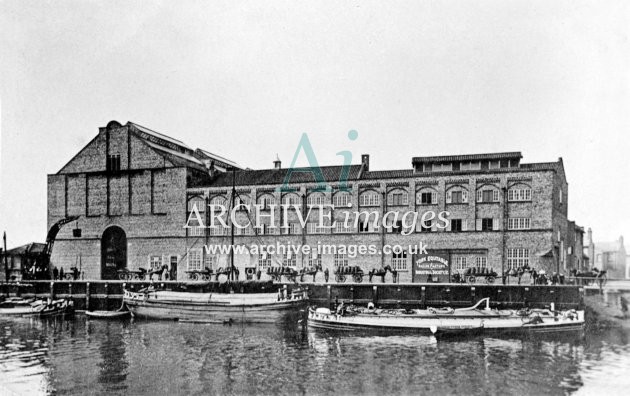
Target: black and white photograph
[[314, 198]]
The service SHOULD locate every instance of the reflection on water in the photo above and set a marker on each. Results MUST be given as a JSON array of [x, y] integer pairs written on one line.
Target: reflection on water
[[83, 356]]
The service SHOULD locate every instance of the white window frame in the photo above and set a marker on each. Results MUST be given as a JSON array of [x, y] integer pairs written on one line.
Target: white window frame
[[460, 263], [316, 199], [369, 198], [399, 261], [155, 261], [264, 260], [519, 194], [342, 199], [481, 262], [519, 223], [517, 257], [340, 260], [194, 260]]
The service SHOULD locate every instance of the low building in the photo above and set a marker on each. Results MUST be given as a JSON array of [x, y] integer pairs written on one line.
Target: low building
[[20, 262], [135, 189]]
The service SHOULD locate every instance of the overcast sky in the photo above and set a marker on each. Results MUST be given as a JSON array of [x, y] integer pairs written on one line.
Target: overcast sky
[[245, 79]]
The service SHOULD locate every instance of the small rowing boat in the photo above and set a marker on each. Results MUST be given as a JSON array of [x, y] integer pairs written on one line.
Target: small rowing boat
[[447, 321], [119, 314]]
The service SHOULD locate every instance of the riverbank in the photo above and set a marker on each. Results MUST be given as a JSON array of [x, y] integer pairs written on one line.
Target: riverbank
[[604, 313]]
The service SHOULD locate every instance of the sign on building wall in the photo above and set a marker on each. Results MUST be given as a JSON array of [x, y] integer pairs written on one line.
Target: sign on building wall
[[431, 267]]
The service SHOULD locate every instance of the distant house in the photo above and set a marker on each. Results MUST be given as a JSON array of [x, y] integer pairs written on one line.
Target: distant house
[[612, 257], [19, 260]]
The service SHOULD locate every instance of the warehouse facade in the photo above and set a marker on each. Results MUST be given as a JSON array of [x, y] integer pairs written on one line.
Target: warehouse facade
[[135, 191]]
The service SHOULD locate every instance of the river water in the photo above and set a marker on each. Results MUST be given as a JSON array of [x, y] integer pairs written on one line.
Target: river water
[[81, 356]]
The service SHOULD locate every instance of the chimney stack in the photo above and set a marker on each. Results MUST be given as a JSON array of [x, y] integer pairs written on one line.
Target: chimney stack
[[365, 161], [277, 164]]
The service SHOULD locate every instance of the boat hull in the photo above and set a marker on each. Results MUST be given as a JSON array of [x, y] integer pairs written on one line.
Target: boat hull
[[218, 308], [473, 322]]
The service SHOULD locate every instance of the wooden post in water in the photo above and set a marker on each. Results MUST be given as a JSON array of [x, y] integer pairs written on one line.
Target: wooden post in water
[[87, 296], [106, 296], [472, 295], [374, 295], [70, 292], [329, 293], [352, 293], [52, 290], [423, 296]]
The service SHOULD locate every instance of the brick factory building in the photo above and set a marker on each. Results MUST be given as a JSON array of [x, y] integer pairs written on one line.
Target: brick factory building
[[134, 190]]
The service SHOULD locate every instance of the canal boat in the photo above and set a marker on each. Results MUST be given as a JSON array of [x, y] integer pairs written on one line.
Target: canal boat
[[215, 307], [447, 321], [20, 307]]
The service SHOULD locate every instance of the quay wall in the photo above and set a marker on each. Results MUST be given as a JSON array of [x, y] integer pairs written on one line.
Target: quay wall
[[107, 295]]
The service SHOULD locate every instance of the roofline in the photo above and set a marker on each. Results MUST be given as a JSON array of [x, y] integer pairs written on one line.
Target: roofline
[[468, 157]]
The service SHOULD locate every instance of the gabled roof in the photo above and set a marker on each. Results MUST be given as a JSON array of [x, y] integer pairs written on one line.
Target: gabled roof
[[468, 157], [276, 177]]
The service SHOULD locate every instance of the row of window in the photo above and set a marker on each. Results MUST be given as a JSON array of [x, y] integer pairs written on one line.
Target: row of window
[[516, 257], [426, 196], [294, 228]]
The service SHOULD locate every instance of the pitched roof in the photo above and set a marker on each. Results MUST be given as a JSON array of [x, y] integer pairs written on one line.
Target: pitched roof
[[276, 176], [468, 157], [204, 153], [32, 248]]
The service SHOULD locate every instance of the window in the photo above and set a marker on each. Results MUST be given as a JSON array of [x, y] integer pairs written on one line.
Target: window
[[342, 199], [561, 195], [517, 257], [481, 262], [194, 260], [426, 198], [155, 262], [457, 196], [266, 201], [340, 227], [456, 225], [442, 167], [264, 260], [288, 259], [460, 264], [290, 200], [241, 200], [398, 227], [316, 199], [426, 226], [313, 228], [519, 223], [364, 226], [198, 203], [487, 195], [208, 261], [314, 259], [293, 229], [486, 224], [113, 163], [519, 194], [399, 261], [476, 165], [340, 260], [198, 231], [369, 198], [494, 164], [397, 198]]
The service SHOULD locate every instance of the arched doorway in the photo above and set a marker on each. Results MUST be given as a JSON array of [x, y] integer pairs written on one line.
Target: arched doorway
[[113, 252]]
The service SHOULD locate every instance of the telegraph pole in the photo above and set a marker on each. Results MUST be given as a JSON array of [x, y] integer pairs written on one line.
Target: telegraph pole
[[6, 263]]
